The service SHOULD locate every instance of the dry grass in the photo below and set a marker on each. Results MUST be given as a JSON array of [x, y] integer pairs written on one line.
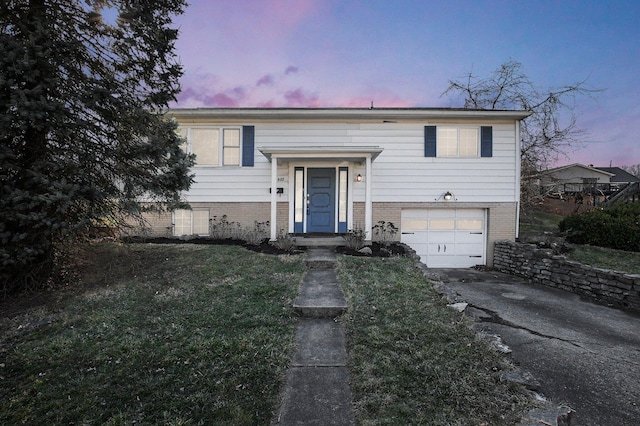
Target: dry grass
[[155, 335], [415, 361]]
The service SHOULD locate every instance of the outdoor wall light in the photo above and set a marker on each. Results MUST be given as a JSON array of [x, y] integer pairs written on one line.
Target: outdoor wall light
[[359, 178], [447, 196]]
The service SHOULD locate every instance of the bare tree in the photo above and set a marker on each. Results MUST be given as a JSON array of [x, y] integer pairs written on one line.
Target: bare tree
[[549, 130], [634, 170], [546, 134]]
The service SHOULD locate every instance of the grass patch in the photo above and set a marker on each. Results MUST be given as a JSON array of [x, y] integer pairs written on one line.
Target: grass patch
[[605, 258], [539, 222], [158, 334], [412, 359]]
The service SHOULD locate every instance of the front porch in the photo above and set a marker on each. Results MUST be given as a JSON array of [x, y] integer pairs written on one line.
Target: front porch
[[302, 169]]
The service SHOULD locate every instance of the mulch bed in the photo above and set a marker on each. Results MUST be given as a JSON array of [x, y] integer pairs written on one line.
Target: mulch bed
[[377, 250], [264, 246]]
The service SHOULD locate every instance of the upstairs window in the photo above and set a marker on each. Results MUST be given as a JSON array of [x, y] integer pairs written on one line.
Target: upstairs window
[[220, 146], [457, 142], [205, 144], [231, 147]]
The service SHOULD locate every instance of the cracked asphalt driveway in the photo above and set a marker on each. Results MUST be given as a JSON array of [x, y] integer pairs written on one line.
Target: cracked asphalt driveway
[[584, 354]]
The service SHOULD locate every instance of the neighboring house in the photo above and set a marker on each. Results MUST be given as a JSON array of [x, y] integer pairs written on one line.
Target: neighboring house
[[623, 186], [620, 177], [574, 178], [449, 179]]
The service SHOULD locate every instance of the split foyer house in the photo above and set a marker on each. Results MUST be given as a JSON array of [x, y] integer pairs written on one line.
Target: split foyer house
[[449, 179]]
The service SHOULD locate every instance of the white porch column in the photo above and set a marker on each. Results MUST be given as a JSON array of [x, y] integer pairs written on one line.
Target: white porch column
[[274, 197], [368, 215]]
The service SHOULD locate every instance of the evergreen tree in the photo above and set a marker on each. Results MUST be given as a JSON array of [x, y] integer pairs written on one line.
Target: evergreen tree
[[83, 136]]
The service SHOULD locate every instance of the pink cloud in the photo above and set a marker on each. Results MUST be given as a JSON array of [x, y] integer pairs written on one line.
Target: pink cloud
[[221, 100], [298, 98], [291, 70], [287, 88], [266, 80]]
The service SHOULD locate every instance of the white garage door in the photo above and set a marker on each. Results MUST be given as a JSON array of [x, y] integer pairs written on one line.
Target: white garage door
[[446, 238]]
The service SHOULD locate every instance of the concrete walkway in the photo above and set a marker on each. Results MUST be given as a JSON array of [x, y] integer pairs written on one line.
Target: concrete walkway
[[317, 390]]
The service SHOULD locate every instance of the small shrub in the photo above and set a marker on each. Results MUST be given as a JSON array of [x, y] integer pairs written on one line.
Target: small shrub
[[257, 234], [616, 228], [222, 229], [285, 241], [355, 238], [385, 232]]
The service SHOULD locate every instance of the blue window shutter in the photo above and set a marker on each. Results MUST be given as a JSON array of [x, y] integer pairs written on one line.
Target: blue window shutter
[[429, 141], [248, 141], [486, 141]]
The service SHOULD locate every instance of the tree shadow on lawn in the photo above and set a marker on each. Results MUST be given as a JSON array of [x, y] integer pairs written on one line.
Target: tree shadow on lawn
[[90, 261]]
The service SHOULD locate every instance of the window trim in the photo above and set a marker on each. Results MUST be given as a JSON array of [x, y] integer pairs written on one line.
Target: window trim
[[484, 141], [225, 147]]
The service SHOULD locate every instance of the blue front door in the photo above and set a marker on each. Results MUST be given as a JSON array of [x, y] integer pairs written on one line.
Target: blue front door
[[321, 200]]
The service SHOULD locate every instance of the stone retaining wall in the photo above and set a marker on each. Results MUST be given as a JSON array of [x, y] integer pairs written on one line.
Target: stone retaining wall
[[542, 266]]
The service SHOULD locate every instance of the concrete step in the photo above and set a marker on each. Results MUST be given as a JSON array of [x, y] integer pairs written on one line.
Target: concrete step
[[328, 241], [321, 258]]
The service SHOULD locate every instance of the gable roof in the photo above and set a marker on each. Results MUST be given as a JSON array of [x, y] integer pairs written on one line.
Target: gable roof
[[589, 168], [619, 175]]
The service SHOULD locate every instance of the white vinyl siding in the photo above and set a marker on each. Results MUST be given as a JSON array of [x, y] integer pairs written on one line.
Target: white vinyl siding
[[191, 222], [401, 173]]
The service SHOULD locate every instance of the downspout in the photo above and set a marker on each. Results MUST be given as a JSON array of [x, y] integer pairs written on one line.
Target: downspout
[[518, 176]]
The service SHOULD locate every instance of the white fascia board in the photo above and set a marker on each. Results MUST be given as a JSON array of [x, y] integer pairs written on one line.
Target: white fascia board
[[315, 152], [378, 114]]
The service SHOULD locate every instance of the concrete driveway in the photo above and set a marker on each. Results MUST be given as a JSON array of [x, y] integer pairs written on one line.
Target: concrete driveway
[[583, 354]]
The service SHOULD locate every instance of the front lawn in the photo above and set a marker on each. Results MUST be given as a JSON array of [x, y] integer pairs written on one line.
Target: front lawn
[[415, 361], [156, 334], [203, 334]]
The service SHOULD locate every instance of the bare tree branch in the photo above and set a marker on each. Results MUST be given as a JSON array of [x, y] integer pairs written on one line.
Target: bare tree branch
[[549, 131]]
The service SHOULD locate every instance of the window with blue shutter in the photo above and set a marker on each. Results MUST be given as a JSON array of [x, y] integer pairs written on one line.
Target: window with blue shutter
[[486, 141], [248, 141], [429, 141]]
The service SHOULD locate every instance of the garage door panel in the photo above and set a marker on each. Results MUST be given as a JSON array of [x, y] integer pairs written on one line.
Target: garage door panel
[[469, 249], [438, 261], [441, 237], [414, 237], [468, 261]]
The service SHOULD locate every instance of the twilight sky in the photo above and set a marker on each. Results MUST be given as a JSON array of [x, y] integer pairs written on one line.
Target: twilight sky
[[402, 53]]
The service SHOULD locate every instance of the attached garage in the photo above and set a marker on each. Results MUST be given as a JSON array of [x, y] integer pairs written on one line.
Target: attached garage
[[446, 238]]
